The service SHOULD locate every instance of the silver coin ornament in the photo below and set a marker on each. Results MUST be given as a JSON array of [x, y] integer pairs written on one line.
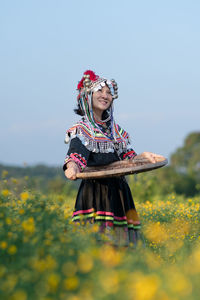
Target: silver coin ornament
[[115, 87]]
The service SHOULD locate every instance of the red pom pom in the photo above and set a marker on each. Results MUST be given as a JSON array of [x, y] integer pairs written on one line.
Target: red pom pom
[[93, 77], [80, 84]]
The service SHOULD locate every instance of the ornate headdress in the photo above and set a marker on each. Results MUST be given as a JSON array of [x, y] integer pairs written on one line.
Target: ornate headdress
[[90, 83]]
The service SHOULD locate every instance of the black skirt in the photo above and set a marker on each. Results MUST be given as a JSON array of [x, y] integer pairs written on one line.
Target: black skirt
[[109, 203]]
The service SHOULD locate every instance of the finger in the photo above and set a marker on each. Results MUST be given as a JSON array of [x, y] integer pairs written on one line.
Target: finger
[[69, 174], [73, 177], [161, 156]]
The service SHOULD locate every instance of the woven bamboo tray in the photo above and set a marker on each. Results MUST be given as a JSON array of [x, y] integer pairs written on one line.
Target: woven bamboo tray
[[121, 168]]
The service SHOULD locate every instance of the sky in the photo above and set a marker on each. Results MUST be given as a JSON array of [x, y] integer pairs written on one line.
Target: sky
[[151, 48]]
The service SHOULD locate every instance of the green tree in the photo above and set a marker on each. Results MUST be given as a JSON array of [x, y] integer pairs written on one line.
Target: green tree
[[186, 159]]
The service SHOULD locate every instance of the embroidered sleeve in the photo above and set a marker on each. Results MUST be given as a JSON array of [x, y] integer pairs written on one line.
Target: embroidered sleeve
[[130, 154], [78, 153]]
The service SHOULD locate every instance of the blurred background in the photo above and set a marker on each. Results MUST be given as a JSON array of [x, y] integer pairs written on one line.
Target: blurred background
[[151, 48]]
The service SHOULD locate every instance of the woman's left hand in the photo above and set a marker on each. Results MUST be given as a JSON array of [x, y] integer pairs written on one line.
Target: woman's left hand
[[152, 157]]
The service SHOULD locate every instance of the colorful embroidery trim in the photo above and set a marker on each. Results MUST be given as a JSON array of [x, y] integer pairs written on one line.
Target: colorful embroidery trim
[[78, 159], [97, 141], [103, 216], [129, 155]]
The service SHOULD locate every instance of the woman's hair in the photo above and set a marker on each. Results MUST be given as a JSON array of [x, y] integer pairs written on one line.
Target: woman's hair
[[78, 110]]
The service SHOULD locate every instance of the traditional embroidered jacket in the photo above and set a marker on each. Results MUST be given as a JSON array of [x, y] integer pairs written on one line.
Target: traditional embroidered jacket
[[96, 145]]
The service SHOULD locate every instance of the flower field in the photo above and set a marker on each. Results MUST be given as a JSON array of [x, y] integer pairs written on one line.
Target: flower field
[[43, 256]]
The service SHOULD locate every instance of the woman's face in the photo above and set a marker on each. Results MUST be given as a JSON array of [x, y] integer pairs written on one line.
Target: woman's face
[[101, 100]]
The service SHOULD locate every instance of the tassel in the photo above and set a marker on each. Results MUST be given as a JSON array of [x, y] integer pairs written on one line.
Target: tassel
[[67, 138]]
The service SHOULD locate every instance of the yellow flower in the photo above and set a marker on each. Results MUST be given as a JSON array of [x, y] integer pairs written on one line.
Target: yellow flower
[[71, 283], [50, 263], [194, 262], [174, 245], [47, 242], [109, 281], [8, 221], [19, 294], [5, 192], [10, 234], [24, 196], [3, 245], [85, 262], [12, 249], [144, 287], [21, 211], [95, 228], [53, 281], [152, 260], [28, 225], [4, 173], [9, 284], [182, 287], [39, 265], [85, 292], [60, 198], [14, 180], [109, 256], [69, 268], [64, 239], [156, 232], [95, 252]]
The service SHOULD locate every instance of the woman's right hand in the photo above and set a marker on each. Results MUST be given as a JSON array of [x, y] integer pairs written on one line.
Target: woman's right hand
[[71, 171]]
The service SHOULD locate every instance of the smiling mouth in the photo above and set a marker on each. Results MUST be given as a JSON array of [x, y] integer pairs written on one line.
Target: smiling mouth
[[103, 101]]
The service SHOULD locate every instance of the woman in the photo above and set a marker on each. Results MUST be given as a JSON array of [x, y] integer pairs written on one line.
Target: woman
[[97, 140]]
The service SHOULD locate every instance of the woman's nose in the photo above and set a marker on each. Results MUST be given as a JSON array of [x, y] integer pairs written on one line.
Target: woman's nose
[[104, 95]]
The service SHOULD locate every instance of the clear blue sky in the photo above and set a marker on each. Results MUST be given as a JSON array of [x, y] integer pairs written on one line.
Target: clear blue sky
[[151, 48]]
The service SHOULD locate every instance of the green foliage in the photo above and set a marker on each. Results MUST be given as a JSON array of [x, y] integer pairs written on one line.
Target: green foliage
[[187, 158], [169, 180], [143, 186], [181, 177], [39, 178], [161, 182]]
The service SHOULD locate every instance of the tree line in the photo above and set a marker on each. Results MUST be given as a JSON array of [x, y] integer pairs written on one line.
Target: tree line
[[181, 176]]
